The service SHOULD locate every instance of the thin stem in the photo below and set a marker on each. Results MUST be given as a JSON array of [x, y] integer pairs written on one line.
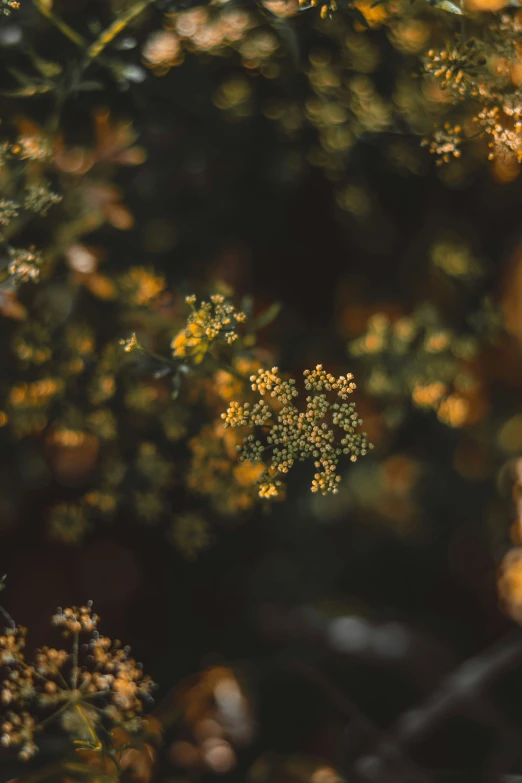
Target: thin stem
[[95, 739], [54, 715], [46, 679], [8, 618], [74, 675], [116, 28], [68, 31]]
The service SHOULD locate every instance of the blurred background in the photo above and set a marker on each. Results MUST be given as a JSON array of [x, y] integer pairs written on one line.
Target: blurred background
[[272, 154]]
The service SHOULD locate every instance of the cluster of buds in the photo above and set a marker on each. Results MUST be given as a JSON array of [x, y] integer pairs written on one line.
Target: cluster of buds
[[294, 435], [24, 265], [206, 323], [456, 67], [506, 138], [6, 6], [445, 143], [39, 198], [8, 211], [326, 8], [97, 684]]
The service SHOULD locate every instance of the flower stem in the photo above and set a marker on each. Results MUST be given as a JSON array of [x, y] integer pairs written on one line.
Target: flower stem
[[71, 34], [74, 676], [116, 28]]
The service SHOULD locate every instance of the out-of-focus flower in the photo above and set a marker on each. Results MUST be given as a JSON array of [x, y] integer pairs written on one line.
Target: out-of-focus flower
[[206, 324], [190, 534], [510, 583], [162, 51], [99, 685]]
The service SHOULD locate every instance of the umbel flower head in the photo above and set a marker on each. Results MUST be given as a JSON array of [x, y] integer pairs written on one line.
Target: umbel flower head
[[296, 435], [205, 325], [96, 685]]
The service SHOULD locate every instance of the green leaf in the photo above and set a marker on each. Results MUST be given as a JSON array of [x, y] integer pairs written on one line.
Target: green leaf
[[89, 86], [268, 316], [47, 68], [30, 85], [24, 92], [20, 76]]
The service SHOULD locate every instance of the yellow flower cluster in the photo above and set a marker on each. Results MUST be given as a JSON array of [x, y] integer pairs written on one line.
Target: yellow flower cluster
[[293, 435], [206, 324], [415, 358], [216, 473], [141, 285]]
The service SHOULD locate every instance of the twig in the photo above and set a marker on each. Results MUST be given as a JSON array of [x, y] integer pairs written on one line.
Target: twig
[[116, 28], [8, 618], [392, 751], [68, 31], [459, 691]]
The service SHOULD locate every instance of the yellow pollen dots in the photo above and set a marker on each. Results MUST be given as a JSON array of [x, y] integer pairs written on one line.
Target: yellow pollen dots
[[292, 435]]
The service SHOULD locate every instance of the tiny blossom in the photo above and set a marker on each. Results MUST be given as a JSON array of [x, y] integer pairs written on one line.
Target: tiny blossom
[[8, 211], [24, 265], [6, 6], [294, 435], [31, 148], [212, 320], [39, 199], [75, 619], [326, 8], [130, 343], [445, 143], [506, 136], [455, 67]]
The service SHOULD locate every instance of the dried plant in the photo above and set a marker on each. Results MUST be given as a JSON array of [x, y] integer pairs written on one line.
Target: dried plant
[[84, 692]]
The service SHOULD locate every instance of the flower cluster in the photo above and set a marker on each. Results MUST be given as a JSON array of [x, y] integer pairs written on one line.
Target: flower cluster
[[205, 326], [217, 718], [445, 143], [483, 71], [24, 264], [6, 6], [40, 198], [216, 473], [293, 435], [419, 359], [9, 210], [207, 29], [97, 685], [456, 67]]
